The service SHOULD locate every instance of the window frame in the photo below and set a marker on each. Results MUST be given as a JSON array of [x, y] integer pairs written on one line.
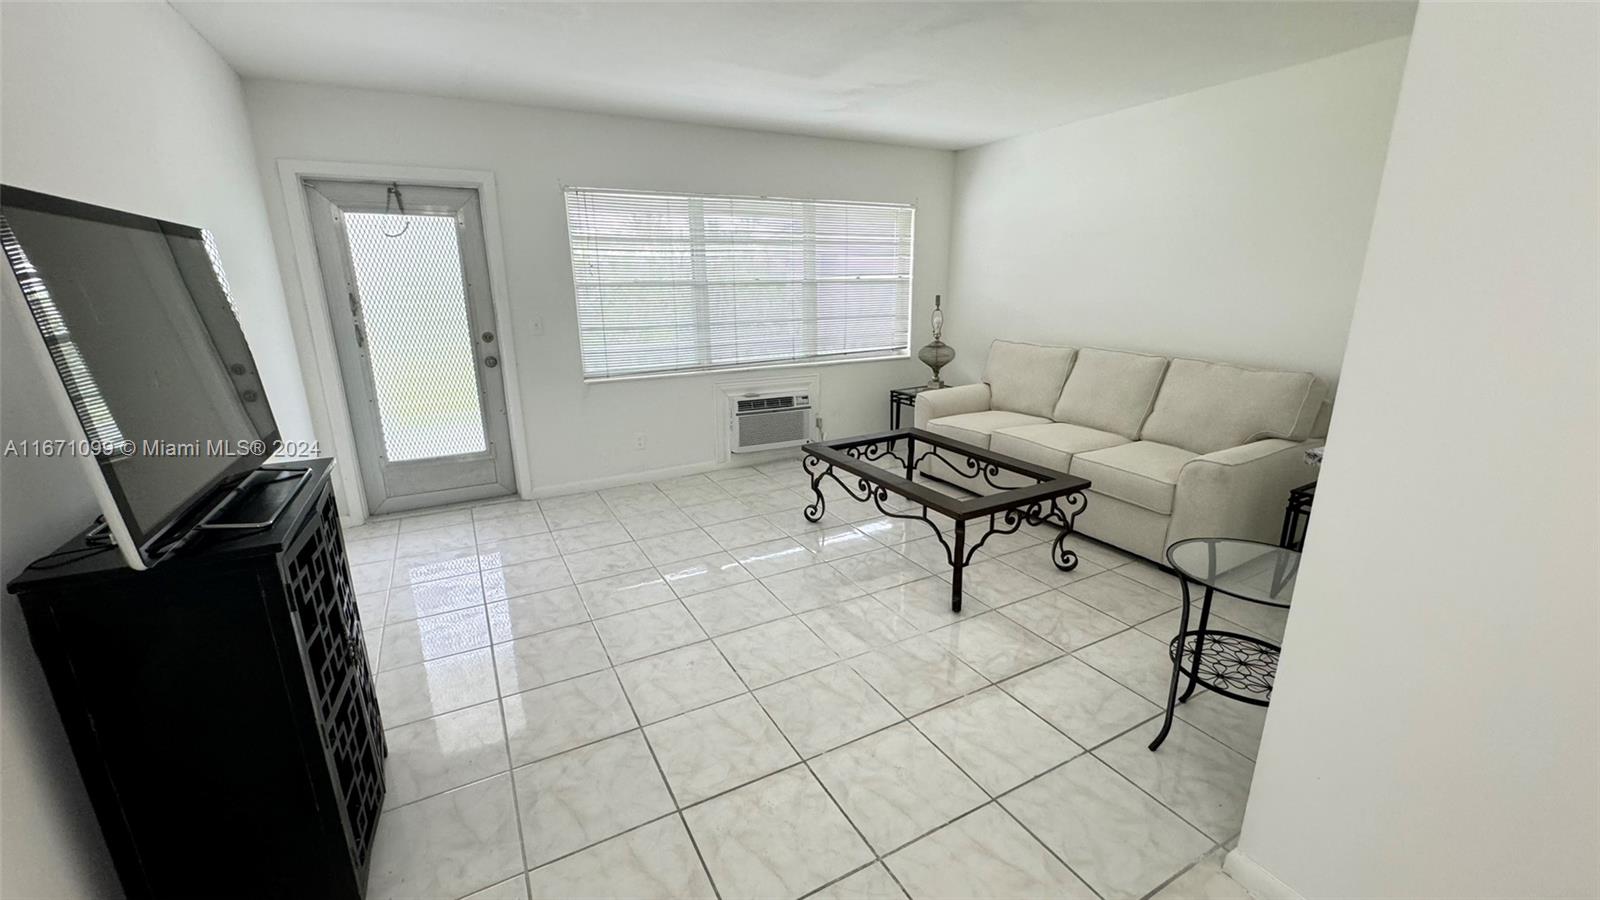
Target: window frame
[[567, 190]]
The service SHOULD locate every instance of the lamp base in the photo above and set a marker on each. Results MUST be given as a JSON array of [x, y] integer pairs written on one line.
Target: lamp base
[[936, 356]]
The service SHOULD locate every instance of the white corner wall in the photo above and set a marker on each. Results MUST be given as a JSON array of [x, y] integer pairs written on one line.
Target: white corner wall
[[1229, 223], [125, 106], [1435, 727], [581, 435]]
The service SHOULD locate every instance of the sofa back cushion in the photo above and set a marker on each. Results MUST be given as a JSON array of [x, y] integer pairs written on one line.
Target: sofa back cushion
[[1207, 406], [1110, 390], [1026, 378]]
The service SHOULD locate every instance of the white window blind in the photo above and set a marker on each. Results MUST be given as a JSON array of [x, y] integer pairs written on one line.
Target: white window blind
[[681, 283]]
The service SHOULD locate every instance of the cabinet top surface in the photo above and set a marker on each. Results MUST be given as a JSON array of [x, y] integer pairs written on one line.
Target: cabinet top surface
[[213, 547]]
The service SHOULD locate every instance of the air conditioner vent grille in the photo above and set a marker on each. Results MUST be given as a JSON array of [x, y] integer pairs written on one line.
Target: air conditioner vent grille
[[769, 420], [762, 404]]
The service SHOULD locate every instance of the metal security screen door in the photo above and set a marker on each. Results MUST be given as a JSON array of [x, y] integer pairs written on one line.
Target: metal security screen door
[[408, 288]]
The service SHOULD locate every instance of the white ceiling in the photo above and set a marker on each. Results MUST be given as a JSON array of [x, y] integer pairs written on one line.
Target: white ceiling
[[947, 75]]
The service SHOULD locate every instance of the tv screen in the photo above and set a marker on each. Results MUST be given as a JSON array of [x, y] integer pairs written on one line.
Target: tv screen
[[135, 316]]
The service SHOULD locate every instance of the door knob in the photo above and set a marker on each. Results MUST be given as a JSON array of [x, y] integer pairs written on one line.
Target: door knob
[[491, 361]]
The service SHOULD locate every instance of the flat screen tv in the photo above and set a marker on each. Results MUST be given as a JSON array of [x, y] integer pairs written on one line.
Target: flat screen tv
[[133, 314]]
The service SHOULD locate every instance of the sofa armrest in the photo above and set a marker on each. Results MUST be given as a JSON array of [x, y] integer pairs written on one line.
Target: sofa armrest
[[951, 401], [1239, 492]]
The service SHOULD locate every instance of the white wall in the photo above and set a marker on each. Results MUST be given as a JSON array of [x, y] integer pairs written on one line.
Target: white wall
[[579, 434], [124, 106], [1229, 223], [1434, 730]]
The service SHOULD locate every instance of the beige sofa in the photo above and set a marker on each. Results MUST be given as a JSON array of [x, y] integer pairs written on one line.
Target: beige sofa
[[1175, 448]]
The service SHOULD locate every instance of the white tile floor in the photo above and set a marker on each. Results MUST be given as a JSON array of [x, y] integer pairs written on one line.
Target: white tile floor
[[684, 689]]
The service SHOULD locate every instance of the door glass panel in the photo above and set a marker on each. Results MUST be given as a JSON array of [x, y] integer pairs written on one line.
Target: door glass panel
[[414, 308]]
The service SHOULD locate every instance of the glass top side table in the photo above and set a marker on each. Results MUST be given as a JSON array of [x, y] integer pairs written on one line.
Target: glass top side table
[[903, 398], [1238, 666]]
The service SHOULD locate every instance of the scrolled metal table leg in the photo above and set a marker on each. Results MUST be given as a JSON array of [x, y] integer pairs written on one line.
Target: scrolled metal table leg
[[1177, 667], [814, 512], [1066, 560], [959, 562]]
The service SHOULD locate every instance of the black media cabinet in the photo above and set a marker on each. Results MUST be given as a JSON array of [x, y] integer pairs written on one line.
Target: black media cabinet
[[220, 705]]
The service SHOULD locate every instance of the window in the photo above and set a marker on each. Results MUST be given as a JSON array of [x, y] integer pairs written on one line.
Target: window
[[683, 283]]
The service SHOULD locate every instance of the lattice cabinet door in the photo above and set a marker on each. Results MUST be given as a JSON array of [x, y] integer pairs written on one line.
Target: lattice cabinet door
[[329, 623]]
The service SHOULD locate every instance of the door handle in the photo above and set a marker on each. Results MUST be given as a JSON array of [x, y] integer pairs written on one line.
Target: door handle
[[355, 318], [491, 361]]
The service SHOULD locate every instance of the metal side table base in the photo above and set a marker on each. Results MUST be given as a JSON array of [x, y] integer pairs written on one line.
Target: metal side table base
[[1238, 666]]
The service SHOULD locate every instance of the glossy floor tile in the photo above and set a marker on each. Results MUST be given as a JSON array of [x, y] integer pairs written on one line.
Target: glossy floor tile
[[821, 710], [782, 836], [1080, 701], [558, 717], [438, 753], [677, 681], [1113, 835], [685, 689], [582, 797], [448, 845], [984, 855], [896, 786], [437, 686], [552, 656], [774, 651], [994, 645], [654, 860], [995, 739], [1192, 774], [718, 747], [870, 883]]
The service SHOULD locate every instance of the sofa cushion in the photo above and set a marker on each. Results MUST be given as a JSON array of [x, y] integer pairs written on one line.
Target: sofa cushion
[[975, 428], [1143, 473], [1026, 378], [1206, 406], [1053, 444], [1110, 390]]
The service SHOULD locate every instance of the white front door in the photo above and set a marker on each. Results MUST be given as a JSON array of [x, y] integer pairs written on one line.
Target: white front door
[[408, 287]]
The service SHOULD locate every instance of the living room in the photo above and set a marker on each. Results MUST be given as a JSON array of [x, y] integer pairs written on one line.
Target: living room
[[804, 450]]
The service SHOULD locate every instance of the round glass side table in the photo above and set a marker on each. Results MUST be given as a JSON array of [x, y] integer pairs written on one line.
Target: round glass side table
[[1238, 666]]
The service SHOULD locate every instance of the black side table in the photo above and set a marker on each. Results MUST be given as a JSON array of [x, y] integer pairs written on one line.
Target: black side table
[[1238, 666], [1296, 516], [903, 398]]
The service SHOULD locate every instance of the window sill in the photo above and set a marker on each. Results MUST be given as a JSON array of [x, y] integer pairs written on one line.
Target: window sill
[[768, 367]]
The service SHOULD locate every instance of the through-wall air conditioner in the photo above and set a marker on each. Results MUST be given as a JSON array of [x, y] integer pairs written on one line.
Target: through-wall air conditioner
[[767, 421]]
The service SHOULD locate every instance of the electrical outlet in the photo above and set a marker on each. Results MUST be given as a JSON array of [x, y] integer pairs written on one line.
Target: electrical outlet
[[639, 441]]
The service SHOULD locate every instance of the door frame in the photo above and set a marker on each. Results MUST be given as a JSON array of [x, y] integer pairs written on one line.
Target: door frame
[[449, 478], [313, 325]]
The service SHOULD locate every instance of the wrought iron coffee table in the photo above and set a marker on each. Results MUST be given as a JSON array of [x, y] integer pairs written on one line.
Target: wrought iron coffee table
[[1239, 666], [1052, 498]]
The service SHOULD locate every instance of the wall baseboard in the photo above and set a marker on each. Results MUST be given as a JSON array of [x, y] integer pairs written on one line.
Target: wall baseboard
[[739, 461], [1261, 884]]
